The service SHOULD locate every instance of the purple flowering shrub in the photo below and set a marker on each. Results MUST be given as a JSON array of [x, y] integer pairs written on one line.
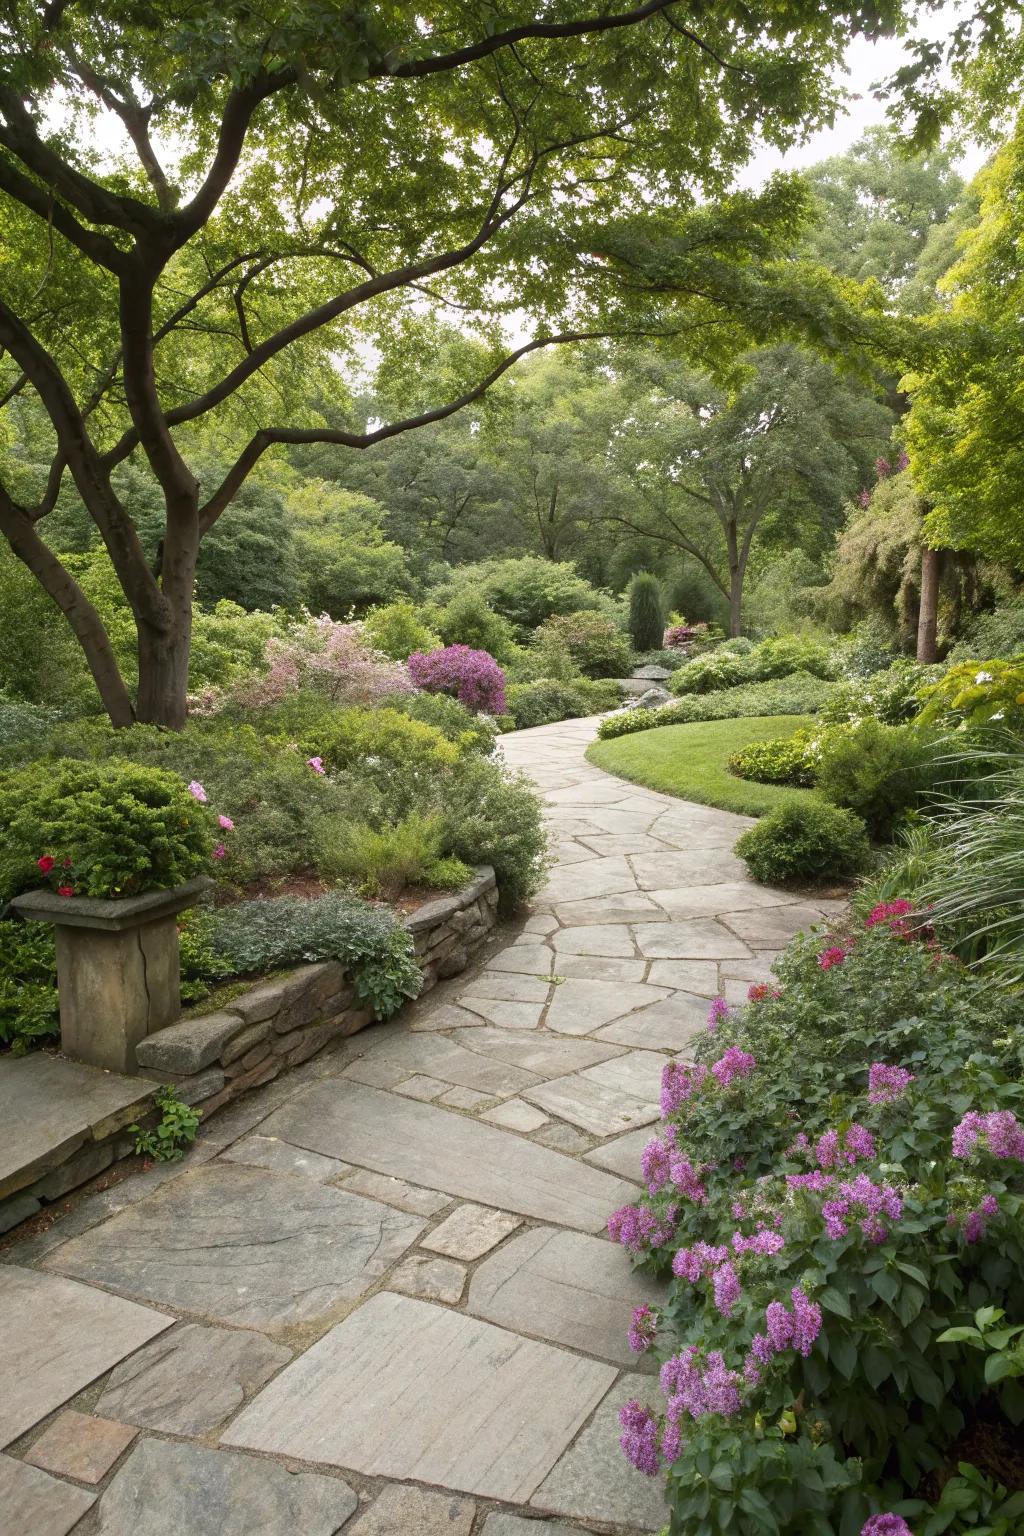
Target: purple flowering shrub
[[472, 677], [836, 1181]]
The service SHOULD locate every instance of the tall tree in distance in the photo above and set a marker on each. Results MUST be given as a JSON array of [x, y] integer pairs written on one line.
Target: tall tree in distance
[[646, 612]]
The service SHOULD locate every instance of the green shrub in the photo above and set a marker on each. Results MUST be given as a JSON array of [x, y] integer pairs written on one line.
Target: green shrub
[[878, 771], [1000, 633], [595, 643], [670, 660], [782, 761], [175, 1129], [399, 628], [891, 695], [799, 694], [29, 1009], [467, 619], [401, 761], [783, 654], [646, 612], [548, 700], [108, 829], [382, 862], [267, 935], [527, 589], [26, 723], [547, 657], [469, 732], [708, 674], [977, 693], [493, 817], [804, 843]]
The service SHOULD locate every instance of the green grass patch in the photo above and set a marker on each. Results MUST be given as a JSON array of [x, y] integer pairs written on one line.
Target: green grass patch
[[692, 761]]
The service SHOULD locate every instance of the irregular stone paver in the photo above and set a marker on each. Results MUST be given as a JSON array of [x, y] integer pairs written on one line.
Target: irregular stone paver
[[718, 899], [399, 1511], [773, 929], [165, 1487], [55, 1337], [672, 1025], [524, 959], [502, 1524], [448, 1016], [506, 987], [470, 1232], [598, 877], [610, 939], [622, 1155], [581, 1007], [565, 1287], [632, 907], [592, 1480], [545, 1055], [189, 1381], [563, 1138], [423, 1088], [506, 1015], [268, 1152], [636, 1072], [449, 1061], [700, 976], [239, 1245], [430, 1278], [697, 940], [480, 1382], [599, 968], [81, 1446], [465, 1098], [661, 871], [596, 1107], [33, 1503], [420, 1142]]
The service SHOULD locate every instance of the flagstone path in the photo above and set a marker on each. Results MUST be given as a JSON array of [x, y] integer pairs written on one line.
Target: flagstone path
[[377, 1296]]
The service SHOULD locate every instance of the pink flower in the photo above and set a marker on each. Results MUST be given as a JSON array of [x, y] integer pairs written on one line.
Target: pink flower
[[219, 851], [316, 763], [718, 1011], [830, 957], [639, 1440], [887, 1084], [45, 863], [642, 1329], [999, 1131], [197, 792], [886, 1525], [735, 1063], [679, 1082], [472, 677], [65, 890], [226, 823]]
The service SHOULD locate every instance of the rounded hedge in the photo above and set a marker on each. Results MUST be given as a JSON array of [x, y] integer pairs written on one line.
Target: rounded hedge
[[805, 843]]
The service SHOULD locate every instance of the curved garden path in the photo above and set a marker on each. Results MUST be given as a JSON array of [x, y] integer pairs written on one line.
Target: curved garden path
[[388, 1272]]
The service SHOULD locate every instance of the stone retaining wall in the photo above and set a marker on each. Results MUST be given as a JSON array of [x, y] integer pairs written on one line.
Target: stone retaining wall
[[215, 1057]]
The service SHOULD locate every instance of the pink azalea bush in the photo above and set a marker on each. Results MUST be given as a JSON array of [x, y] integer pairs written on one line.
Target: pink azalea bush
[[837, 1178], [472, 677], [328, 657]]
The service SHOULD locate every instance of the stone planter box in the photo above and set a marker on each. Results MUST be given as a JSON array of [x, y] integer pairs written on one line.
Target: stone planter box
[[117, 967]]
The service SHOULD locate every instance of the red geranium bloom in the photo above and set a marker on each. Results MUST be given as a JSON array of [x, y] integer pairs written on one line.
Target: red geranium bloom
[[65, 890], [45, 863]]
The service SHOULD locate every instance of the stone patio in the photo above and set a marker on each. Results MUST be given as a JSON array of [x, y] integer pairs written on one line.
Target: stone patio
[[377, 1296]]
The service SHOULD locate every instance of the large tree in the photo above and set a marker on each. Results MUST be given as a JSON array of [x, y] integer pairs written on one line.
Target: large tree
[[209, 209], [713, 469]]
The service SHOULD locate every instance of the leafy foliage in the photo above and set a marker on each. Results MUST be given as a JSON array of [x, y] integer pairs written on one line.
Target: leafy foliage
[[646, 612], [594, 642], [798, 694], [175, 1129], [804, 843], [548, 700], [472, 677], [975, 693], [784, 760], [28, 985], [878, 771], [397, 629]]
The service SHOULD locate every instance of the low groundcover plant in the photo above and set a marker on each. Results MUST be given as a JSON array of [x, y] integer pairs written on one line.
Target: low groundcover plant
[[836, 1182]]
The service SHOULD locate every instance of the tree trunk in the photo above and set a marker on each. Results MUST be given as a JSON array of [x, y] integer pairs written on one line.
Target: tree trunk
[[163, 675], [928, 617], [737, 566]]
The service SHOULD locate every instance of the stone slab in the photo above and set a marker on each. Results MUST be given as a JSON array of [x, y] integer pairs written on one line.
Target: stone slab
[[593, 1480], [622, 1156], [35, 1504], [192, 1379], [672, 1025], [610, 939], [450, 1062], [506, 1015], [631, 907], [498, 1411], [636, 1072], [501, 1524], [190, 1045], [422, 1143], [430, 1278], [239, 1245], [601, 968], [515, 1115], [601, 1110], [566, 1287], [49, 1107], [401, 1511], [700, 976], [57, 1336], [597, 877], [465, 1098], [702, 939], [167, 1487], [581, 1007], [420, 1087], [470, 1232], [539, 922], [279, 1157], [774, 928], [545, 1055], [563, 1138], [698, 866], [81, 1445], [523, 959], [506, 987], [719, 898], [448, 1016], [407, 1197]]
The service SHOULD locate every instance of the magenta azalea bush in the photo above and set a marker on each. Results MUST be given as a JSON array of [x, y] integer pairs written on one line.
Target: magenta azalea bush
[[472, 677], [835, 1190]]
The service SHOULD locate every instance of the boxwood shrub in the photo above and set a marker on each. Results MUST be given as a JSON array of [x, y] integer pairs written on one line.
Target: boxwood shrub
[[805, 843]]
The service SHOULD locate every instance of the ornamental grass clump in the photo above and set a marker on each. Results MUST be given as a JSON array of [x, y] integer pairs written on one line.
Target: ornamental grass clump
[[835, 1188], [472, 677]]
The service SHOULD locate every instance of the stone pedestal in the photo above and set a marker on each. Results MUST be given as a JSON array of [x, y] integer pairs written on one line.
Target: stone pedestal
[[117, 968]]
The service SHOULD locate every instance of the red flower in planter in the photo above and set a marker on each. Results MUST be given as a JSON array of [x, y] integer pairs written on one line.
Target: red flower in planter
[[45, 863], [65, 890]]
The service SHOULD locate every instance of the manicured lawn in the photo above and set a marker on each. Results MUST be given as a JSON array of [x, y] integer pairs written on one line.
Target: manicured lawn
[[691, 761]]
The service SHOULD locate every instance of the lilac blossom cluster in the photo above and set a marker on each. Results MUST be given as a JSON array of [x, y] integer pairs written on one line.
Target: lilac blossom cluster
[[718, 1011], [643, 1329], [637, 1228], [999, 1131], [783, 1329], [887, 1084], [694, 1388], [886, 1525], [707, 1261], [639, 1438], [972, 1223], [831, 1150], [662, 1164], [735, 1063], [862, 1200], [679, 1082]]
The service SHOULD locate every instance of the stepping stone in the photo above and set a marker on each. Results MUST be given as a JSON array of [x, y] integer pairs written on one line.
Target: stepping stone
[[580, 1007], [35, 1504], [697, 866], [672, 1025], [191, 1380], [377, 1186], [713, 900], [773, 929], [514, 1115], [242, 1246], [422, 1088], [449, 1062], [470, 1232], [571, 852], [376, 1072], [700, 976], [422, 1143], [601, 968], [81, 1446], [432, 1279], [563, 1138], [279, 1157], [609, 939], [601, 791], [630, 908], [168, 1487], [525, 959], [623, 823], [446, 1017], [757, 969], [55, 1337], [539, 922], [595, 877], [698, 940], [465, 1098], [400, 1511], [506, 987], [482, 1381], [501, 1524], [622, 1156], [637, 1072], [506, 1015], [598, 1109], [565, 1287], [607, 844], [543, 1055], [594, 1481]]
